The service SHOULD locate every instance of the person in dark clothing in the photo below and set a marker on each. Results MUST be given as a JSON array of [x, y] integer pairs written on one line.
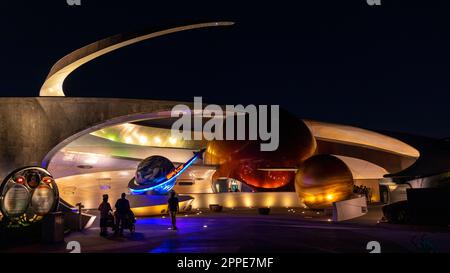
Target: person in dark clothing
[[122, 212], [105, 209], [174, 207]]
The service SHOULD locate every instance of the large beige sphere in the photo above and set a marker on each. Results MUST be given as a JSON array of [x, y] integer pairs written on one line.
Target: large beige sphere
[[322, 180]]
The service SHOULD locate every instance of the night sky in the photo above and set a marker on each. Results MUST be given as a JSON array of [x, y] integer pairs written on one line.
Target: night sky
[[383, 68]]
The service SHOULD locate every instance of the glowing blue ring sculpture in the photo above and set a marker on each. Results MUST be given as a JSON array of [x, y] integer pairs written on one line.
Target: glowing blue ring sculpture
[[161, 179]]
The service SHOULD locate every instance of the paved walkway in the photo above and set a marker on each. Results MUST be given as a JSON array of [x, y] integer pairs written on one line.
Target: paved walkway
[[249, 232]]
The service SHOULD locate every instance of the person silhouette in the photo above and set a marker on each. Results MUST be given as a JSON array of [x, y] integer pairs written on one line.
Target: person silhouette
[[122, 211], [174, 207], [105, 209]]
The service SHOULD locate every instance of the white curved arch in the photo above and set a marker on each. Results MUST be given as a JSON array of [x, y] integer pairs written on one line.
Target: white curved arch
[[358, 136], [53, 85], [362, 169]]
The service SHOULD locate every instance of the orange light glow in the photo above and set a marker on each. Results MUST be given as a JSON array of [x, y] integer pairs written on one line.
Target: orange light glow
[[20, 180], [47, 180]]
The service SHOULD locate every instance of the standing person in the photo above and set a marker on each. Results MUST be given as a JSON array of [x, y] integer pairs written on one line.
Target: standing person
[[174, 207], [366, 193], [105, 209], [122, 212]]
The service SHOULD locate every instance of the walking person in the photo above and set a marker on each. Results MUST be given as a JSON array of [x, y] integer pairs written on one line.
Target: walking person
[[122, 213], [174, 207], [105, 209]]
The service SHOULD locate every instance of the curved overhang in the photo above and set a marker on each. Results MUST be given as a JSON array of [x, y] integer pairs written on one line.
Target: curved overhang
[[129, 133], [433, 161], [53, 85], [361, 137], [362, 169]]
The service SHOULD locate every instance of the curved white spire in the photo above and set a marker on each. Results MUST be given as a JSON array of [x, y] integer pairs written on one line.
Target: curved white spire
[[53, 85]]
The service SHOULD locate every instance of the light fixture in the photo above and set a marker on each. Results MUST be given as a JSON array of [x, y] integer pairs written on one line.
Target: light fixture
[[111, 137], [157, 140], [128, 126], [128, 140], [91, 160], [172, 140], [124, 173], [20, 180], [143, 140]]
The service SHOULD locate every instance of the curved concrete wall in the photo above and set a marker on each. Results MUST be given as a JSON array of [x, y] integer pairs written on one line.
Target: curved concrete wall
[[31, 128]]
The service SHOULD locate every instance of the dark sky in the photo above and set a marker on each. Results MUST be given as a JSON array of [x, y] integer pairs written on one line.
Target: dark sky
[[344, 61]]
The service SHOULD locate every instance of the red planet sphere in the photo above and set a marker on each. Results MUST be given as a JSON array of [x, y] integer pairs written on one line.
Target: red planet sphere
[[243, 159]]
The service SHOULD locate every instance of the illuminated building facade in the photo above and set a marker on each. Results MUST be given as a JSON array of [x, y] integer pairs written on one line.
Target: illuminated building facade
[[94, 146]]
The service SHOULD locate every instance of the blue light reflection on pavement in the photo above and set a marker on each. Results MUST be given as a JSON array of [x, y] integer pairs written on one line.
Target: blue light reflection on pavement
[[250, 233], [186, 238]]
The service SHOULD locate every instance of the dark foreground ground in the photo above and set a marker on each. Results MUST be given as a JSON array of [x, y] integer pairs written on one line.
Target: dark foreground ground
[[246, 231]]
